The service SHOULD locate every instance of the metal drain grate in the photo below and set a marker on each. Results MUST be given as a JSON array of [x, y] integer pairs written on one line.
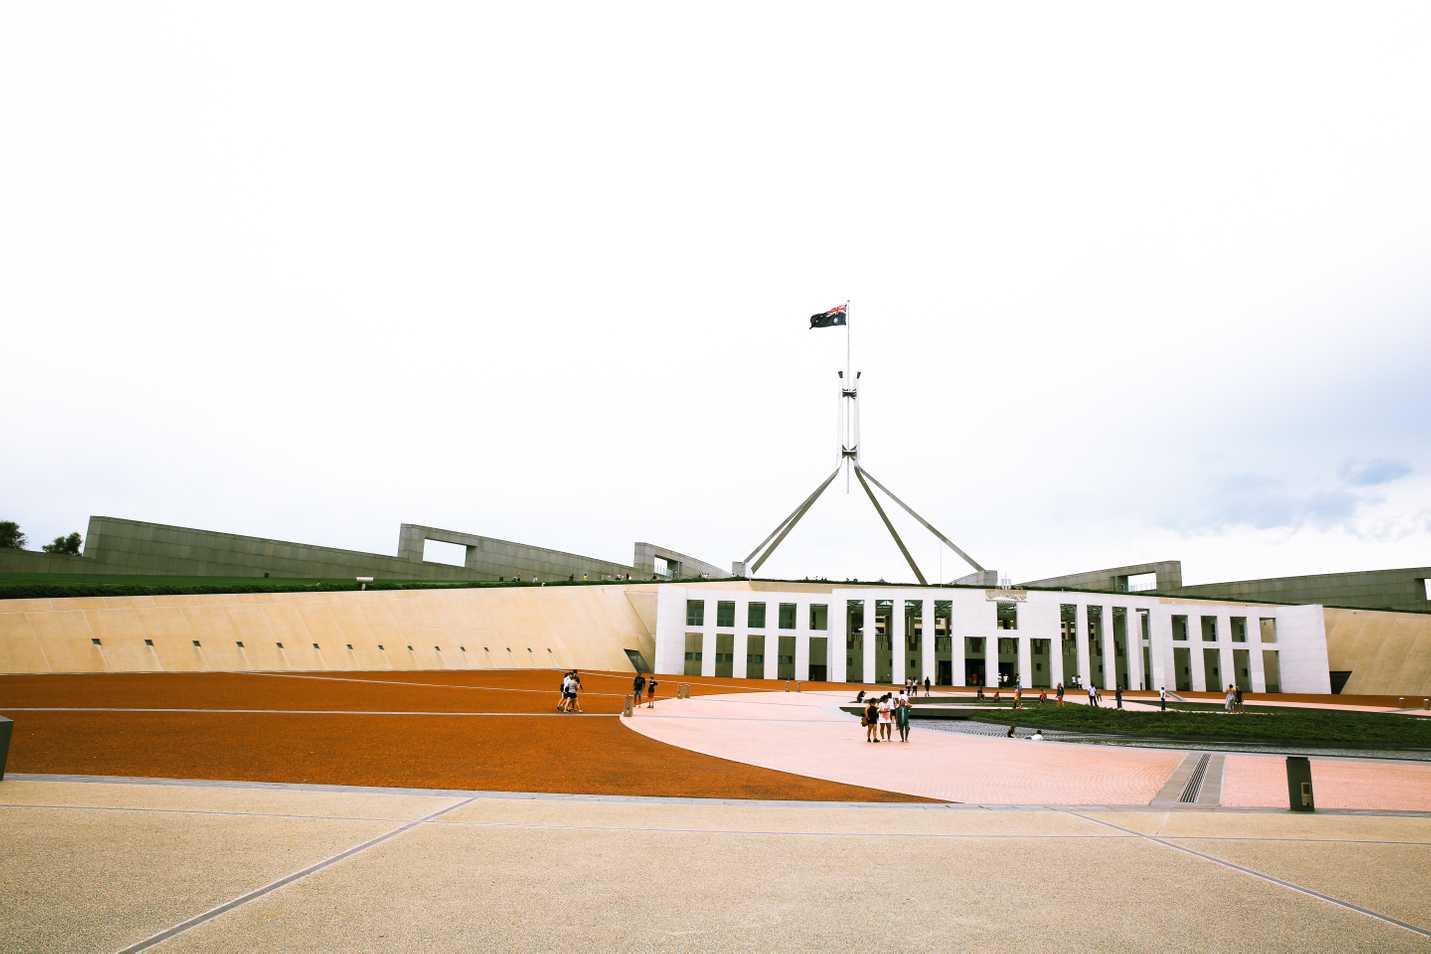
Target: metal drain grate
[[1190, 790]]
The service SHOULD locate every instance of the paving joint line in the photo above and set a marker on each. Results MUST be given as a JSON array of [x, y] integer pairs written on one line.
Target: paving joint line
[[355, 712], [197, 811], [1263, 876], [233, 903]]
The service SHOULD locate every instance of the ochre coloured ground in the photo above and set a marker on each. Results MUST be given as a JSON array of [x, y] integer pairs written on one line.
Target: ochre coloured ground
[[531, 750]]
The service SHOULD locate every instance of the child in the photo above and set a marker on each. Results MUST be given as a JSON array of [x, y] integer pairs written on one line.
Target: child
[[871, 721], [651, 692]]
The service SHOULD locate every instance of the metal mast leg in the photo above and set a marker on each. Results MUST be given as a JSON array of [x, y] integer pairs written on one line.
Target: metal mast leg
[[786, 525], [860, 476], [925, 523]]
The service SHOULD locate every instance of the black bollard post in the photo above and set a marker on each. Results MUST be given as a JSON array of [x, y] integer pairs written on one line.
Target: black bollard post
[[1299, 784], [6, 727]]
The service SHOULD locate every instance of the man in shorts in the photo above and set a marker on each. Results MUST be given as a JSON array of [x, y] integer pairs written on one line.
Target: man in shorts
[[650, 692], [637, 687], [565, 685]]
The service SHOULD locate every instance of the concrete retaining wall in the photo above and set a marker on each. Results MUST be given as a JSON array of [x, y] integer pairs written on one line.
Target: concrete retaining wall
[[589, 627], [1403, 589], [1386, 653]]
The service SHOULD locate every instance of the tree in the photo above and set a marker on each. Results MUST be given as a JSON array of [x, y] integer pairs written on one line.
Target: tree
[[11, 536], [68, 545]]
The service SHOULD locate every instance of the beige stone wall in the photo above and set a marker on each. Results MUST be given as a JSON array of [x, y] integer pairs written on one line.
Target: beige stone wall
[[521, 627], [1386, 653]]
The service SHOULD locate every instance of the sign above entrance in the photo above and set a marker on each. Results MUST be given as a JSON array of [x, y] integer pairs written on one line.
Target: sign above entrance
[[1018, 596]]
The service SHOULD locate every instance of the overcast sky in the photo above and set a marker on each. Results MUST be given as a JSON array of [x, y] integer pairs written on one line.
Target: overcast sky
[[1130, 281]]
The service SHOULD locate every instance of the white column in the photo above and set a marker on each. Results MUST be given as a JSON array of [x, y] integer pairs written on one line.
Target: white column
[[835, 627], [928, 666], [896, 639], [1025, 661], [1254, 653], [742, 630], [772, 646], [1195, 651], [802, 640], [991, 660], [1110, 646], [1224, 651], [956, 654], [869, 640], [1055, 658], [708, 638], [1080, 630], [1133, 639]]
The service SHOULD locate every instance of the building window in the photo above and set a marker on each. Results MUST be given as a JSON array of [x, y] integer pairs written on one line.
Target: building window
[[1209, 628], [725, 613], [787, 615], [695, 612], [1426, 585], [755, 616], [819, 616], [1180, 628], [1239, 629], [1008, 615]]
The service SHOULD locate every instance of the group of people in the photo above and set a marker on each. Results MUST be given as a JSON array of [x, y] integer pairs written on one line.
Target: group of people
[[883, 714], [1233, 702], [648, 684], [570, 686]]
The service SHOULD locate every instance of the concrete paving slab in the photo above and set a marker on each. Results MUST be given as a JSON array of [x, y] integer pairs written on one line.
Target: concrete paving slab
[[777, 819], [78, 880], [457, 888], [1266, 825], [355, 804], [1391, 879]]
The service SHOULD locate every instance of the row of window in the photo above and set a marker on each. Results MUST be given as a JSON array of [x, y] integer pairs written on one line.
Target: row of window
[[755, 614]]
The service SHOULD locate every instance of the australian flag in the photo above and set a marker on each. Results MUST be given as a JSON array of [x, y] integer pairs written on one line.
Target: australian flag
[[828, 319]]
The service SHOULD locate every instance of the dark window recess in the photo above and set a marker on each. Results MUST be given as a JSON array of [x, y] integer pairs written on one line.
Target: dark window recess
[[462, 649], [196, 644], [316, 646], [409, 647], [238, 643], [437, 649], [380, 648], [95, 642], [1339, 680], [279, 645], [350, 647], [149, 642]]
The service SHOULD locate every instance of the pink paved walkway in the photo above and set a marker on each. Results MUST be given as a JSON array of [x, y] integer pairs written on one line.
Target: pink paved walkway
[[1261, 780], [805, 733]]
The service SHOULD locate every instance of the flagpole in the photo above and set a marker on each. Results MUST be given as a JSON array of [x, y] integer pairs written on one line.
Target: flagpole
[[849, 409]]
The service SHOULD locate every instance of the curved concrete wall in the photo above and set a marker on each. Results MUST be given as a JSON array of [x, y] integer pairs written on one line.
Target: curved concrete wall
[[588, 627], [1386, 653]]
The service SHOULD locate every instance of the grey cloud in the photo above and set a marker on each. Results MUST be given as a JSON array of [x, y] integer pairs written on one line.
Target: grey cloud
[[1370, 473], [1265, 503]]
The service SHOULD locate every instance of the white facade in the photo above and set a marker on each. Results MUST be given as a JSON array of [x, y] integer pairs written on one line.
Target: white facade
[[1218, 642]]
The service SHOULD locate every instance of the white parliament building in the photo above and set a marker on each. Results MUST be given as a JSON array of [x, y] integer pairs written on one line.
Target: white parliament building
[[968, 636]]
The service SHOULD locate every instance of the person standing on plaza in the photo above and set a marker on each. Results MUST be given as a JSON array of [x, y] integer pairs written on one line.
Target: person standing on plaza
[[1237, 698], [650, 692], [1162, 698], [637, 687], [871, 720], [1092, 695], [565, 686], [926, 687], [886, 718], [1018, 697], [1058, 693], [1118, 695], [902, 715], [1227, 702], [573, 688]]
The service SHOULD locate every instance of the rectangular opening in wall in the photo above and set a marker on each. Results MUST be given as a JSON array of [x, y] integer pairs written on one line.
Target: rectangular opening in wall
[[725, 654], [1239, 629], [1182, 669], [1209, 628], [638, 661], [1142, 582], [693, 654], [695, 613], [1008, 615], [451, 554], [755, 616], [787, 616], [1269, 631], [819, 658], [786, 668], [662, 567], [755, 657], [1180, 628], [1426, 588], [819, 617], [1271, 670], [725, 613]]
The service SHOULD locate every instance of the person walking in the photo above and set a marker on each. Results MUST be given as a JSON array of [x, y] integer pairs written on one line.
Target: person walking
[[871, 721], [902, 715], [650, 692], [637, 687], [1092, 696], [574, 687], [926, 687], [1227, 703], [1162, 698], [1018, 697], [1058, 692], [565, 685], [1236, 698], [1118, 695]]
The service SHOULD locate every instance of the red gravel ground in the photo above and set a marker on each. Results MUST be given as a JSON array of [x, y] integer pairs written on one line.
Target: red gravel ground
[[532, 750]]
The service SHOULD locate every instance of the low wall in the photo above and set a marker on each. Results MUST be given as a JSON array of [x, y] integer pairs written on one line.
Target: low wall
[[588, 627]]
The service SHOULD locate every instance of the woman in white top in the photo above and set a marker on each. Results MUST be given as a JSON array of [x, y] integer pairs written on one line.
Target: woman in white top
[[884, 717]]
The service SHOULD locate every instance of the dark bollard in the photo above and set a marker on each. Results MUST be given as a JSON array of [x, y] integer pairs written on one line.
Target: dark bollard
[[1299, 784], [6, 727]]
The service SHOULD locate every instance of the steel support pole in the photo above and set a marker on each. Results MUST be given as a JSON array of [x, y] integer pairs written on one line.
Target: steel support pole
[[793, 514], [860, 476], [793, 519], [925, 523]]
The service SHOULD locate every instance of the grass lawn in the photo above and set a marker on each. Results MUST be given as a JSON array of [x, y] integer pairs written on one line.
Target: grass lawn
[[1321, 727]]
